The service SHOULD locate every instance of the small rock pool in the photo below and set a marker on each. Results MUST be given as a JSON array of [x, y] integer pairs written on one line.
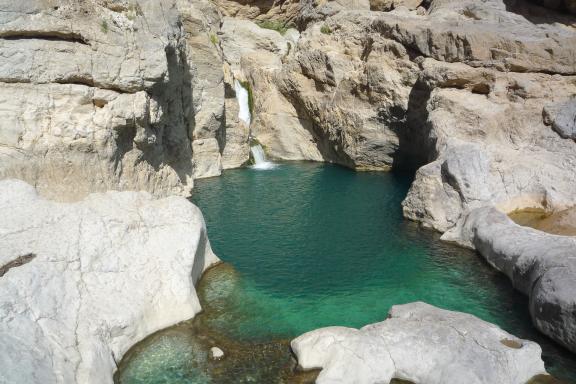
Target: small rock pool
[[309, 245]]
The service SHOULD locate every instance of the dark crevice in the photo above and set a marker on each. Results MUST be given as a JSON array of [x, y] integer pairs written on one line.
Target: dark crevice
[[416, 148], [68, 81], [124, 138], [174, 95], [47, 36], [17, 262], [88, 82], [542, 12], [76, 81]]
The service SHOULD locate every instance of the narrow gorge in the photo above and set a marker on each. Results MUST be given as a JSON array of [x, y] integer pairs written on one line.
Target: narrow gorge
[[389, 187]]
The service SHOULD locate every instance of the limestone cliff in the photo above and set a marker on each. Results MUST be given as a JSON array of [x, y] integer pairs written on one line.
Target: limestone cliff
[[101, 95]]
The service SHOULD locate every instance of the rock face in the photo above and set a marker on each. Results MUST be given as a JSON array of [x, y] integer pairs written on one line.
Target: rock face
[[289, 12], [541, 265], [110, 95], [421, 344], [96, 103], [200, 24], [464, 80], [281, 10], [81, 283]]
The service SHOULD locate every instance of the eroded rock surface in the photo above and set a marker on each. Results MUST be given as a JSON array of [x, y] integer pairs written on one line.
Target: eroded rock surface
[[421, 344], [93, 98], [103, 274], [106, 95], [539, 264]]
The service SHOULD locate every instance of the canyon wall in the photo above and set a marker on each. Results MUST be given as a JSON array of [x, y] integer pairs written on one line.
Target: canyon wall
[[479, 97], [101, 95]]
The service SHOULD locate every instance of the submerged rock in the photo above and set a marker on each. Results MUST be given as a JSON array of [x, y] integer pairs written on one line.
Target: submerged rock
[[216, 353], [421, 344], [86, 281]]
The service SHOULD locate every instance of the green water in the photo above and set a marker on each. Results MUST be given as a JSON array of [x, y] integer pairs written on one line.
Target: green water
[[315, 245]]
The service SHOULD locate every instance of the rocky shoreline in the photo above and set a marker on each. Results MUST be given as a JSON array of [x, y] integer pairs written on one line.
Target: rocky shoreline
[[478, 98]]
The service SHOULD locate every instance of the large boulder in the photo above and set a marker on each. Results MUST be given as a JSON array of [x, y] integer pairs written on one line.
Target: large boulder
[[421, 344], [81, 283], [541, 265]]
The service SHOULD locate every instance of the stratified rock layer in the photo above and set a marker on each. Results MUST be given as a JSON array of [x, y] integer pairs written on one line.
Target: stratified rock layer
[[81, 283], [106, 95], [423, 345]]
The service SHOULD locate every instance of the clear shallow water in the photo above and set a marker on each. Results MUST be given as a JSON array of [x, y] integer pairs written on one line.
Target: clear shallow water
[[314, 245]]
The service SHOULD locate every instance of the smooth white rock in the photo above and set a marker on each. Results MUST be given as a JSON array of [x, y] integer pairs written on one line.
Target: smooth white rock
[[216, 353], [539, 264], [422, 344], [108, 271]]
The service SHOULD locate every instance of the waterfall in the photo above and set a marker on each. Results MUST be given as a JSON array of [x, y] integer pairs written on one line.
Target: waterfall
[[260, 161], [243, 104]]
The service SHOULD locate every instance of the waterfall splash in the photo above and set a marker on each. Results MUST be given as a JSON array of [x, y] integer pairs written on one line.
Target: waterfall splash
[[243, 104], [260, 161]]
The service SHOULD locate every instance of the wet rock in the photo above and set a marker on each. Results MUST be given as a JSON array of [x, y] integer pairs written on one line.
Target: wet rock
[[216, 353]]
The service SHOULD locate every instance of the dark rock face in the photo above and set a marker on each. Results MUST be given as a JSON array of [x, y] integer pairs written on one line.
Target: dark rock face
[[568, 6]]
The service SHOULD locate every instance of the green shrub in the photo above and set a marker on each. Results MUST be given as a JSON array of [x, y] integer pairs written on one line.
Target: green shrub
[[133, 10], [277, 26], [104, 26], [214, 39], [325, 30], [254, 141]]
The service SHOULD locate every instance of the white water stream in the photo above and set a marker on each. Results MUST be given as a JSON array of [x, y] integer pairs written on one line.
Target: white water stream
[[260, 161], [243, 104]]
